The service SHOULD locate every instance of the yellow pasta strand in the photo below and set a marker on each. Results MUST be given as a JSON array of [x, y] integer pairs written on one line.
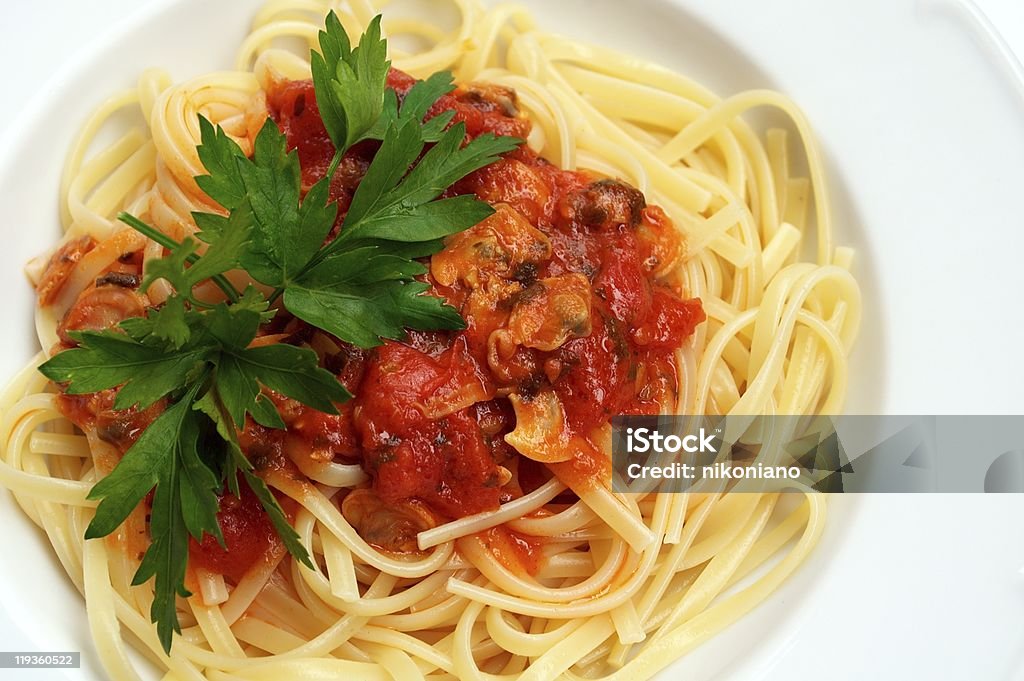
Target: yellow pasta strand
[[625, 585]]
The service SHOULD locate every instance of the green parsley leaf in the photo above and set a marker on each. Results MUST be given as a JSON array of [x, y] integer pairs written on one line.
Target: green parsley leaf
[[166, 559], [265, 413], [234, 460], [219, 154], [172, 267], [268, 232], [395, 210], [289, 370], [349, 83], [415, 106], [224, 250], [165, 457], [424, 93], [396, 203], [237, 389], [364, 295], [198, 487], [169, 323], [294, 372], [227, 241], [107, 359], [285, 531], [139, 470], [237, 463], [272, 180], [235, 326]]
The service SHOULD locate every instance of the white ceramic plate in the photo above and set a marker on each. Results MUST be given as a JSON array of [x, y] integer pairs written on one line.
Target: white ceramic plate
[[923, 133]]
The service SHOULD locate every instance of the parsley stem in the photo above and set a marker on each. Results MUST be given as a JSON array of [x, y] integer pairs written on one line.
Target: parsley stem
[[167, 242], [225, 285], [335, 162]]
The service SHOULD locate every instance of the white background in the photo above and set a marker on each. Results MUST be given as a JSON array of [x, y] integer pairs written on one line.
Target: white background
[[897, 640]]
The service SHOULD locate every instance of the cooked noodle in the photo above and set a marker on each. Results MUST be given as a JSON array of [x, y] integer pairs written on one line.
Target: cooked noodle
[[627, 584]]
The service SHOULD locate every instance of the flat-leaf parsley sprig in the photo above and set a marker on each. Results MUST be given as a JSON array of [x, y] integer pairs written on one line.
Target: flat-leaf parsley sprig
[[196, 357], [212, 380]]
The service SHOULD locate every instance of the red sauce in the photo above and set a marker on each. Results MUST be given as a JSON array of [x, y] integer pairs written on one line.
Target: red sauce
[[601, 229], [517, 552], [60, 267], [119, 428], [329, 436], [444, 461], [293, 106], [248, 533]]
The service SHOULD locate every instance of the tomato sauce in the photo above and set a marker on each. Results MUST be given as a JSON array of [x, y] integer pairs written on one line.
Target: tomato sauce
[[293, 106], [249, 536], [119, 428], [615, 355], [444, 461], [517, 552]]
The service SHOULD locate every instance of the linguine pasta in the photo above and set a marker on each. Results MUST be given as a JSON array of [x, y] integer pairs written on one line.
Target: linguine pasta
[[626, 583]]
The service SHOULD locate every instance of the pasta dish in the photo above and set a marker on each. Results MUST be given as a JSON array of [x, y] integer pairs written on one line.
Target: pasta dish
[[331, 345]]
